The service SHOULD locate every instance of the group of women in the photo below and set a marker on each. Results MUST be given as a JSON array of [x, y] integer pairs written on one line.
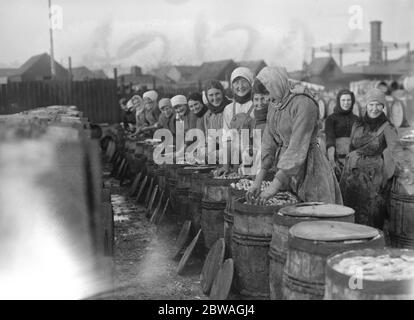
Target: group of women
[[356, 169]]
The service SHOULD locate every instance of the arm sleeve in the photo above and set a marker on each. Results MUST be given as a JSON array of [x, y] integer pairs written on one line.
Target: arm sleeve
[[304, 117], [269, 148], [227, 114], [329, 132]]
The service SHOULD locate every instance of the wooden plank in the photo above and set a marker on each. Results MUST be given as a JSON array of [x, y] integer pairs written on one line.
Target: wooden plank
[[151, 202], [141, 189], [158, 209], [134, 187], [149, 191]]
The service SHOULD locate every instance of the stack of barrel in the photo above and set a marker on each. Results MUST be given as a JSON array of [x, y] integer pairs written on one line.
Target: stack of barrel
[[48, 163]]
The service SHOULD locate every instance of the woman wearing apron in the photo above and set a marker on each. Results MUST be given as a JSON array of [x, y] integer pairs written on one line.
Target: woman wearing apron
[[366, 178], [338, 128], [237, 114], [290, 144]]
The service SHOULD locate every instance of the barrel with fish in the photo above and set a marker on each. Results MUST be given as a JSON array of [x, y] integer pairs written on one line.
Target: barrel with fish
[[287, 217], [213, 204], [401, 203], [251, 236], [310, 244], [370, 274]]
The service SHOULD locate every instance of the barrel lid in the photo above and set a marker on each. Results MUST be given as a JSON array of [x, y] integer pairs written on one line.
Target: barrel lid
[[316, 209], [212, 264], [332, 231], [183, 238], [187, 253], [222, 283]]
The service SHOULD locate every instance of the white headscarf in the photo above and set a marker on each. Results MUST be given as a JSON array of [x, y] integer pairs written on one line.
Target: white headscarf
[[178, 99], [152, 94], [242, 72], [276, 81]]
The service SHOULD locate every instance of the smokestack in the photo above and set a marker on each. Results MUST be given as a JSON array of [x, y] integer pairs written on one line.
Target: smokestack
[[376, 43]]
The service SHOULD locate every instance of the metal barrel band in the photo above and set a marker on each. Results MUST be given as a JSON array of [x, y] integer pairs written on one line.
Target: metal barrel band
[[402, 197], [401, 240], [303, 286], [251, 240], [213, 205], [277, 256]]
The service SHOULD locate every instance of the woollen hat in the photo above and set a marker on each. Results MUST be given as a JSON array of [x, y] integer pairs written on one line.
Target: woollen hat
[[375, 95], [164, 102]]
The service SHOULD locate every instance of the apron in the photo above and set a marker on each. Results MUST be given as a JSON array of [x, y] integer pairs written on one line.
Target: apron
[[341, 151], [240, 121]]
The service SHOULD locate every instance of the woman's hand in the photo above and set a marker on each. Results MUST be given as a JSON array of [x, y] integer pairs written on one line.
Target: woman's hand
[[252, 193], [269, 192]]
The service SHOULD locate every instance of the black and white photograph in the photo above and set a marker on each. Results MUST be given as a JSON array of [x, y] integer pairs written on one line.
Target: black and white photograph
[[206, 155]]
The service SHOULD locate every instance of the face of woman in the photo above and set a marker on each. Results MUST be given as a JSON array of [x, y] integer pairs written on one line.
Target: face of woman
[[241, 86], [260, 101], [345, 101], [167, 110], [195, 106], [374, 109], [148, 103], [181, 109], [215, 97]]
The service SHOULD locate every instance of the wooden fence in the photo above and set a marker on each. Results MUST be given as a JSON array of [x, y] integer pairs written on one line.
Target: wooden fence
[[97, 99]]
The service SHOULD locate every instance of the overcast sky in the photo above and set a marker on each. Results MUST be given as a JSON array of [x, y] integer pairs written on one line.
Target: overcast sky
[[148, 33]]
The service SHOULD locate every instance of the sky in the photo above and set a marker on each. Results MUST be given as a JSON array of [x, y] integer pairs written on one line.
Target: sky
[[150, 33]]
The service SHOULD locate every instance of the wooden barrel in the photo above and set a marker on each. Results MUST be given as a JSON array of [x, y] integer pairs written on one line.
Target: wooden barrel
[[252, 233], [330, 107], [322, 108], [283, 221], [195, 194], [357, 110], [310, 244], [233, 194], [213, 203], [395, 111], [401, 218], [355, 284]]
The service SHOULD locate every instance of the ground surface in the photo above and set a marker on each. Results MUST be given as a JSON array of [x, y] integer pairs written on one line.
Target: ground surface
[[144, 265]]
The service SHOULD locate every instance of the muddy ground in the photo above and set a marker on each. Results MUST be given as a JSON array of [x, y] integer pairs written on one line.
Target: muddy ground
[[144, 267]]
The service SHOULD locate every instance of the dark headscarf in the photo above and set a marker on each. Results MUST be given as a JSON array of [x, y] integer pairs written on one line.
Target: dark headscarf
[[215, 84], [338, 108], [198, 97]]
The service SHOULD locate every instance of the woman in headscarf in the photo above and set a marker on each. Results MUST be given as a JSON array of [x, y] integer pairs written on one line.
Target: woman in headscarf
[[128, 118], [366, 178], [198, 108], [251, 156], [338, 130], [239, 113], [183, 113], [216, 102], [289, 143], [150, 114]]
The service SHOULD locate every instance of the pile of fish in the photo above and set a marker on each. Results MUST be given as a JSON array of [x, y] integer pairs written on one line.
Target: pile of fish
[[231, 175], [245, 184], [280, 199]]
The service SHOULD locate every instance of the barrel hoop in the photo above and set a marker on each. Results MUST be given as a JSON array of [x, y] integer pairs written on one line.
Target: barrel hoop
[[401, 240], [247, 294], [228, 217], [402, 197], [213, 205], [251, 239], [277, 256], [303, 286]]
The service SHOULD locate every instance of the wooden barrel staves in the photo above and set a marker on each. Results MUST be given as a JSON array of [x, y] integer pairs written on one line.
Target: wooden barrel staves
[[310, 244], [213, 203], [391, 276], [252, 233], [330, 107], [322, 108], [283, 221], [401, 221], [195, 194], [395, 111]]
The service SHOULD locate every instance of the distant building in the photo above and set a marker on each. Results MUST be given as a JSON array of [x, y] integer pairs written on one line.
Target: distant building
[[218, 70], [83, 74], [138, 80], [37, 68], [5, 73]]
